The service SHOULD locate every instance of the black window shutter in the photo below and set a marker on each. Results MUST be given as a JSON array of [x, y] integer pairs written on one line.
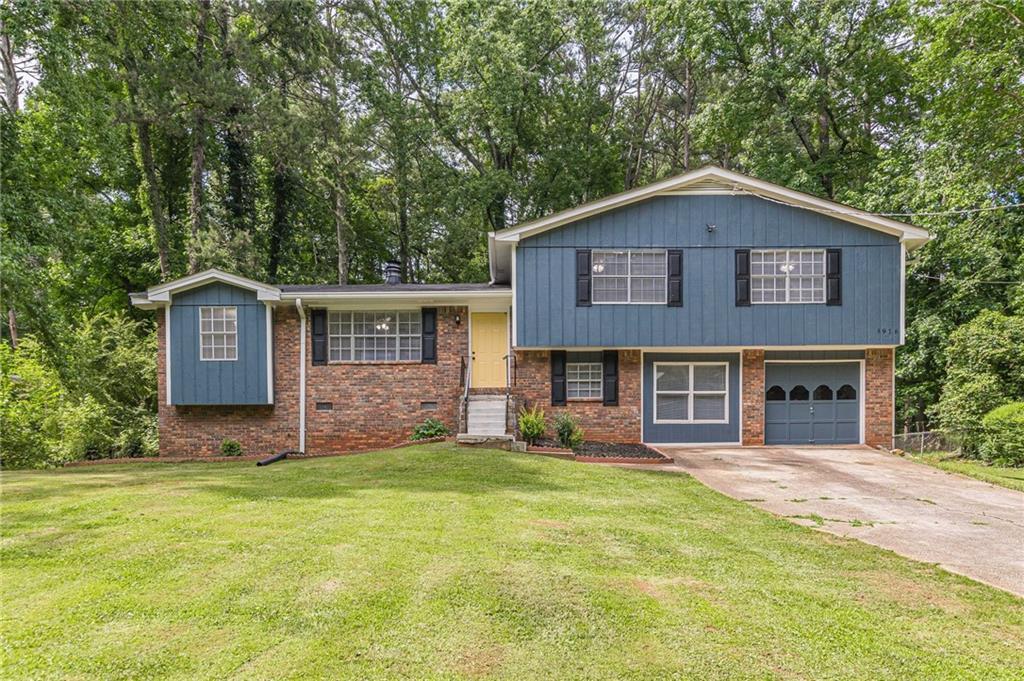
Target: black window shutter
[[318, 320], [675, 278], [583, 278], [429, 336], [833, 276], [742, 277], [610, 379], [558, 386]]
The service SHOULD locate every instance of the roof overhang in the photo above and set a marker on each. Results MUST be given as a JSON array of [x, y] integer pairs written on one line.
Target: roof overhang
[[706, 180], [409, 297], [160, 295]]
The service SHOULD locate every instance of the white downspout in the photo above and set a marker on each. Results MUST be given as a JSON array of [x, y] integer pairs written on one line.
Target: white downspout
[[302, 375]]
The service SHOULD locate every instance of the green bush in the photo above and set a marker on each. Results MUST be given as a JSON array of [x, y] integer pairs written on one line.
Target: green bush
[[1002, 442], [229, 447], [985, 370], [532, 423], [569, 433], [429, 429]]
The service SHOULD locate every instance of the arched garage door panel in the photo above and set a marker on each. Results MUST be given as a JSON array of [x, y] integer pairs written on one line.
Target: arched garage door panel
[[812, 403]]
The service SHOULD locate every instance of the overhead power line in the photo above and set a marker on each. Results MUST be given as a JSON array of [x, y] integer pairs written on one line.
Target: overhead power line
[[864, 213]]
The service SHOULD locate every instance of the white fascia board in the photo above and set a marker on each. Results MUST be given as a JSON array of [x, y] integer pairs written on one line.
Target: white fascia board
[[142, 301], [913, 236], [409, 298], [263, 291]]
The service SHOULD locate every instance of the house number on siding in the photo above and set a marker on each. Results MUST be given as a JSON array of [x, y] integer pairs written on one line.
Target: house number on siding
[[887, 331]]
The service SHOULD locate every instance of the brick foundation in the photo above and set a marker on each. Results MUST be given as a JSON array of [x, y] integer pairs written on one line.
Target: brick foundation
[[752, 397], [532, 386], [879, 378], [373, 405]]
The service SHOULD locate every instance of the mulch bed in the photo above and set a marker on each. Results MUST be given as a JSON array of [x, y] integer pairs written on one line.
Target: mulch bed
[[601, 452]]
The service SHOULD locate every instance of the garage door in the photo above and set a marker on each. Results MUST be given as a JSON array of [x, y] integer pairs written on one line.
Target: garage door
[[812, 403]]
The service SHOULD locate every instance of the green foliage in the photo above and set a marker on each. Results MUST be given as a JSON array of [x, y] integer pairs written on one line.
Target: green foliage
[[430, 428], [533, 423], [568, 431], [93, 398], [230, 447], [1002, 442], [985, 370]]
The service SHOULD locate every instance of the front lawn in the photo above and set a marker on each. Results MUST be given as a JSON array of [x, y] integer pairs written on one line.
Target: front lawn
[[434, 562], [1004, 476]]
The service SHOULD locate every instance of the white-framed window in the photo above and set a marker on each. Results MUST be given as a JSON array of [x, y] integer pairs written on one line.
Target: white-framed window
[[583, 380], [691, 392], [218, 333], [787, 276], [629, 276], [374, 336]]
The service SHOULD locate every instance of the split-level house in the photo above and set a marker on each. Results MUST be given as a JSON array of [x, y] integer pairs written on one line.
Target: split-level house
[[710, 308]]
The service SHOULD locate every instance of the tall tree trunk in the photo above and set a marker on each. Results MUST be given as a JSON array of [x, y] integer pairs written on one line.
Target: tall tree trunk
[[341, 232], [12, 327], [195, 208], [156, 207], [281, 189], [12, 84]]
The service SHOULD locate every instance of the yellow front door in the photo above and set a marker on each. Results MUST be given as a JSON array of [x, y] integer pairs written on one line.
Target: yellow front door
[[490, 348]]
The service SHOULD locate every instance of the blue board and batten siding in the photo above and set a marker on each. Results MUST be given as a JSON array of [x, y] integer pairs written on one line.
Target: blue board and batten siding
[[692, 432], [546, 310], [242, 381]]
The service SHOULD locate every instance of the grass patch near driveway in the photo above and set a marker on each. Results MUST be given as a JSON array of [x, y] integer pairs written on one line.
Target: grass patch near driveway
[[1004, 476], [435, 562]]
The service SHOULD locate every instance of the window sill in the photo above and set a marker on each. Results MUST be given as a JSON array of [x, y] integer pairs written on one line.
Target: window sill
[[585, 399], [383, 362]]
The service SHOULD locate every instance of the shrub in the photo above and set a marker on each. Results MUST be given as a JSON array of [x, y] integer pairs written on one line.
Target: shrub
[[229, 447], [532, 424], [985, 370], [1003, 440], [429, 429], [569, 433]]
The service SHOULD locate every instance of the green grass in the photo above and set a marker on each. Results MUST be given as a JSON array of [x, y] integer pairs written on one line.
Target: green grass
[[1003, 476], [432, 562]]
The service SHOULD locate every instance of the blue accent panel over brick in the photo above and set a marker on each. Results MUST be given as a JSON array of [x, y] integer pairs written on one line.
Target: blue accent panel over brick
[[697, 432], [547, 314], [243, 381]]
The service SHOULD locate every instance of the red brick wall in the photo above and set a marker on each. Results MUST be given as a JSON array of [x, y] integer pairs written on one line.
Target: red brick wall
[[373, 404], [879, 381], [378, 404], [610, 424], [752, 395]]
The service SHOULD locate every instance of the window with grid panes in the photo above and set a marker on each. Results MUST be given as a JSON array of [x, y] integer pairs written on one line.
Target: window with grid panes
[[629, 276], [787, 276], [374, 336], [218, 333]]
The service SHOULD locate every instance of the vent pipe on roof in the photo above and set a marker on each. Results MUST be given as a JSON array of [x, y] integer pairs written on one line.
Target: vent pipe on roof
[[392, 273]]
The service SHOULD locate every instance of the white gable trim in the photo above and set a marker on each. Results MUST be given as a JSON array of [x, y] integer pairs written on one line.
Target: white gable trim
[[712, 179], [162, 292]]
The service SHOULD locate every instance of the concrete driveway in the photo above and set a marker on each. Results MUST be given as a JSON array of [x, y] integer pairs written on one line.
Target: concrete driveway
[[964, 525]]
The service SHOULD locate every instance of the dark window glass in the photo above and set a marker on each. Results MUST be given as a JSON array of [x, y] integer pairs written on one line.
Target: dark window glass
[[799, 394], [775, 394], [823, 393], [847, 392]]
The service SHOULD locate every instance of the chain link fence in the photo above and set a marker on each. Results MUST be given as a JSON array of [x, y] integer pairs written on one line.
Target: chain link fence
[[928, 441]]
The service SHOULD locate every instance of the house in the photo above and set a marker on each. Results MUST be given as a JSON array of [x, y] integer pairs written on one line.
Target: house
[[709, 308]]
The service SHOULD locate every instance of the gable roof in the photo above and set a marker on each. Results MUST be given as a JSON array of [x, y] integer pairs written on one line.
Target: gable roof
[[161, 293], [709, 179]]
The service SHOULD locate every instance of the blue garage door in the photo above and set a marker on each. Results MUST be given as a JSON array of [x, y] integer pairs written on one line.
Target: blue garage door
[[812, 403]]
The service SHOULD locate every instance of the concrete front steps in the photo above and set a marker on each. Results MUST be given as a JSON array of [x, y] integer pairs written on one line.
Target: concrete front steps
[[486, 416]]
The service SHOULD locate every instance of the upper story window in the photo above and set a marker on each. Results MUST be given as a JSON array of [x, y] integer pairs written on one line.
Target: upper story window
[[629, 276], [374, 336], [787, 276], [218, 333]]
